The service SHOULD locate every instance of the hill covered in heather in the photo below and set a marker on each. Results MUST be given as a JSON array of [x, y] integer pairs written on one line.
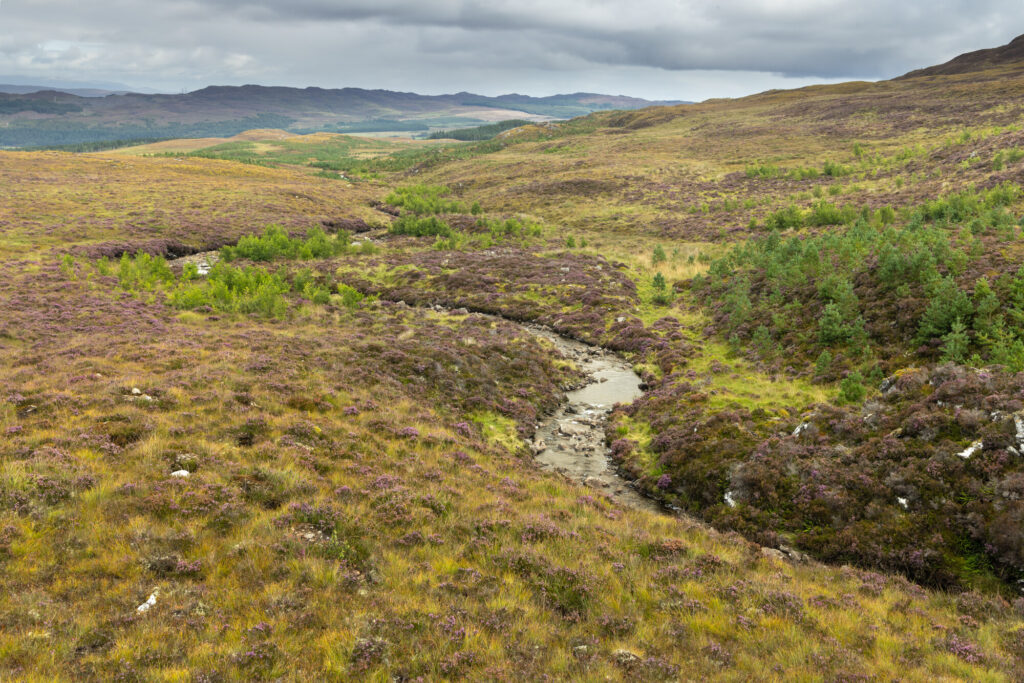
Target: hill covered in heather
[[270, 404]]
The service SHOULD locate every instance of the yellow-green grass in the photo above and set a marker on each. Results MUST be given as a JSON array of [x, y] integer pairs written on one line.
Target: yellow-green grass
[[62, 200]]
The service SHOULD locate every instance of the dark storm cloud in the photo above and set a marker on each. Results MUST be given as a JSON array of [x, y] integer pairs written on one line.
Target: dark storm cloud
[[656, 48]]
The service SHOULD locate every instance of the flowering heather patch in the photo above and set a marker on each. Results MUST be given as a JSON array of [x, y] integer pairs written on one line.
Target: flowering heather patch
[[889, 484], [579, 295]]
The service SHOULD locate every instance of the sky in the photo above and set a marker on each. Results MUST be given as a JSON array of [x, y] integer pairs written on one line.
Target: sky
[[655, 49]]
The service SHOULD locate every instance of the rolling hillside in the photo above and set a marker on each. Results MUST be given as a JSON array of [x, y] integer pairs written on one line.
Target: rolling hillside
[[271, 406], [56, 118]]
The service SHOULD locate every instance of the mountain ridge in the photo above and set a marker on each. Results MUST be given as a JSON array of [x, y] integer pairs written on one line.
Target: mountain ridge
[[53, 116], [977, 60]]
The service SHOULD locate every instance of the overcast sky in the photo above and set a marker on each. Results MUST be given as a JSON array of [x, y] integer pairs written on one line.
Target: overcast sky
[[657, 49]]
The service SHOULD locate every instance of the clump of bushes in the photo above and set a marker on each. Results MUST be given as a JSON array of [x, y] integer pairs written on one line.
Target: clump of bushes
[[235, 290], [762, 171], [141, 273], [275, 243], [420, 226], [424, 200], [512, 227]]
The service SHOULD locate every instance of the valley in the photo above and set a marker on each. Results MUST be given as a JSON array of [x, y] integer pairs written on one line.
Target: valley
[[729, 390]]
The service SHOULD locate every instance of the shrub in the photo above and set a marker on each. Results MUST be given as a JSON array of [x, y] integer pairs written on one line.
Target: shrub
[[783, 219], [419, 226], [947, 304], [234, 290], [275, 243], [424, 200], [826, 213], [824, 363], [762, 171], [833, 327], [143, 272], [851, 389], [350, 296], [662, 294], [836, 170], [956, 343], [658, 256], [804, 173]]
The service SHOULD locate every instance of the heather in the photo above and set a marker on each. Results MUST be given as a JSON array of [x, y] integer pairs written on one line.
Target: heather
[[330, 493]]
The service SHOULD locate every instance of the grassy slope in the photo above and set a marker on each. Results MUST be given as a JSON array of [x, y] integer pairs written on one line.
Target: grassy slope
[[391, 539]]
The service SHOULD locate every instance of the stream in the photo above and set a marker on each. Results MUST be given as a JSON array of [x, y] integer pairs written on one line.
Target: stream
[[571, 440]]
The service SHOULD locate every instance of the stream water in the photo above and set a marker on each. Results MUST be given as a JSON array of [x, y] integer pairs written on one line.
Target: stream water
[[571, 440]]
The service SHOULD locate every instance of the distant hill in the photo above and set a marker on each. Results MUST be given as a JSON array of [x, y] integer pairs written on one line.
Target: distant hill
[[55, 117], [1008, 55], [13, 89]]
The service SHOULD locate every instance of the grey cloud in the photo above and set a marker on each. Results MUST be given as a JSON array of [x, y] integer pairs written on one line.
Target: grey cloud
[[668, 48], [828, 38]]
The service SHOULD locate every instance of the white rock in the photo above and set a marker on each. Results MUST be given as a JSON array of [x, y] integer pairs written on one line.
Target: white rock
[[145, 607], [136, 391], [970, 450], [800, 428], [729, 500], [180, 474], [902, 502]]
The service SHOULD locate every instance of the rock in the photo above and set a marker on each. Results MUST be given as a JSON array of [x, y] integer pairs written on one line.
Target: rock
[[539, 446], [146, 606], [580, 651], [773, 554], [572, 429], [460, 311], [970, 450], [794, 555], [181, 474], [136, 391], [624, 657]]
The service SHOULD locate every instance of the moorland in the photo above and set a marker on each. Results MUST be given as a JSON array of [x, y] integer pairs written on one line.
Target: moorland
[[312, 458]]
